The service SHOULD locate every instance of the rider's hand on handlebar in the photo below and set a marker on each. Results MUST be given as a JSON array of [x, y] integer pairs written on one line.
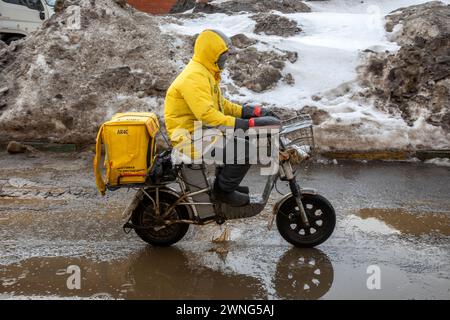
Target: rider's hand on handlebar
[[245, 124], [256, 111], [264, 122]]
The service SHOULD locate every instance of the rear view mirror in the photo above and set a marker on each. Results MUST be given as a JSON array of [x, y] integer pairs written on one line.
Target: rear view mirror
[[42, 15]]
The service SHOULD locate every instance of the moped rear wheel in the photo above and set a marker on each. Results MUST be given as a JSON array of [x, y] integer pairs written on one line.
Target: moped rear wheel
[[321, 216], [149, 227]]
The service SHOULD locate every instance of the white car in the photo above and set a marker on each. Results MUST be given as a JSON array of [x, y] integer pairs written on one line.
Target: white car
[[18, 18]]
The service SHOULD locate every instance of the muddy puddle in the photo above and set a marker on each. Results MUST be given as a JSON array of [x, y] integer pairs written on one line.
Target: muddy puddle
[[168, 273], [53, 223], [410, 223], [241, 273]]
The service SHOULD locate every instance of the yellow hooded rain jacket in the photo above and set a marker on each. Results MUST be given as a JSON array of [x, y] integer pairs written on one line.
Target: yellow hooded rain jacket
[[195, 94]]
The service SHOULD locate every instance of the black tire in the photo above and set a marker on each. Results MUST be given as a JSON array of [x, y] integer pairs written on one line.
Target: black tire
[[144, 215], [320, 214]]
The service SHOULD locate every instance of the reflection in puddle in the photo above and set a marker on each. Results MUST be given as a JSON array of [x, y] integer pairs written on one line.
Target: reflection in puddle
[[303, 274], [167, 273], [409, 222]]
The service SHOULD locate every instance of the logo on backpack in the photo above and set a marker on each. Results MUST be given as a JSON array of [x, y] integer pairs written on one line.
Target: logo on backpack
[[122, 131]]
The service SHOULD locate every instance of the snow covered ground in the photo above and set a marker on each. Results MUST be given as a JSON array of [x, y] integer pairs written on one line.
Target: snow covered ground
[[329, 49]]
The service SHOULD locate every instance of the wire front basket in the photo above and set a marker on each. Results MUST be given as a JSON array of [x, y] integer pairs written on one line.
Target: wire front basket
[[298, 131]]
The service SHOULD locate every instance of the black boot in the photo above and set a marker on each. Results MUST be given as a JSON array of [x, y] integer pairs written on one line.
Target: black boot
[[243, 189], [234, 199]]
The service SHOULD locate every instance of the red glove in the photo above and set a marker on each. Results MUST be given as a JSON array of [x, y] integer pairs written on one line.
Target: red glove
[[245, 124], [255, 111], [264, 122]]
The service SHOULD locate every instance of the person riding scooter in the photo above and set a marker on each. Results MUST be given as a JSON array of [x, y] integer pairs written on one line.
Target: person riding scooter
[[195, 96]]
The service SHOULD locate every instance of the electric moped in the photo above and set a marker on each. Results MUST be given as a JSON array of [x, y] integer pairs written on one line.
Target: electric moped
[[161, 214]]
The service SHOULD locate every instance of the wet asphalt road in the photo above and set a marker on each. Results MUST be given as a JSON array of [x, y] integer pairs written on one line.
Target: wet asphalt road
[[391, 217]]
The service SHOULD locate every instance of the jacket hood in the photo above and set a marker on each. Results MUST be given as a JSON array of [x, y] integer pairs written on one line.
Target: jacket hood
[[210, 44]]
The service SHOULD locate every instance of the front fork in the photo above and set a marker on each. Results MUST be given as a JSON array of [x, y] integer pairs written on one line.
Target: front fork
[[295, 189]]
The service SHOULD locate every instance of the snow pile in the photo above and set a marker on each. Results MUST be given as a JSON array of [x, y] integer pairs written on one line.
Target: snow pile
[[256, 6], [335, 41], [257, 70], [414, 82], [272, 24], [61, 83], [182, 6], [327, 58]]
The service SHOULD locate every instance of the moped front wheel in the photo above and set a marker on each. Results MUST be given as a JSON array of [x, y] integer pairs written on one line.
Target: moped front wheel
[[321, 217]]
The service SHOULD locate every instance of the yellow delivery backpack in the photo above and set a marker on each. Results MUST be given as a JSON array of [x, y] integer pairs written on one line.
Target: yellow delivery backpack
[[129, 140]]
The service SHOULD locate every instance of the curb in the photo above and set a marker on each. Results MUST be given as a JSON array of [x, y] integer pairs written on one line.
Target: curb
[[48, 147], [385, 154], [53, 147], [430, 154]]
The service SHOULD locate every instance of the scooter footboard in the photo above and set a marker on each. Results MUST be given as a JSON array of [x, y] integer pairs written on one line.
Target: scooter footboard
[[228, 212]]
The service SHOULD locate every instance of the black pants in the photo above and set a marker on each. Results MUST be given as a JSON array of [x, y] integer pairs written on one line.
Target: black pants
[[230, 174]]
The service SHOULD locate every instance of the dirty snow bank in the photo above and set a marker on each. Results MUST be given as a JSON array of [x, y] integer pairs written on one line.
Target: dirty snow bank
[[414, 82], [62, 82], [330, 49]]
